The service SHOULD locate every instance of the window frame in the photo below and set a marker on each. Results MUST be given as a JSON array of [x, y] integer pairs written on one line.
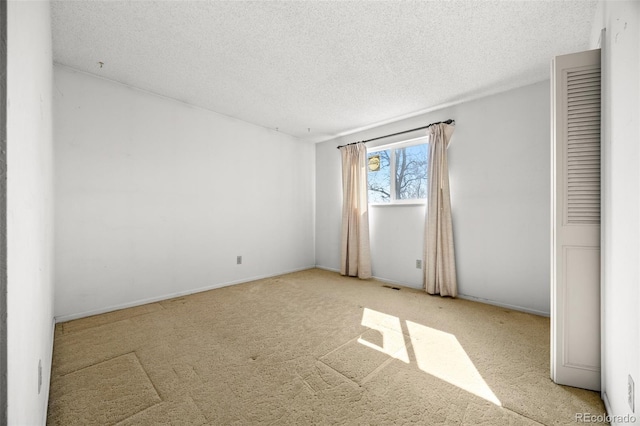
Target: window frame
[[421, 140]]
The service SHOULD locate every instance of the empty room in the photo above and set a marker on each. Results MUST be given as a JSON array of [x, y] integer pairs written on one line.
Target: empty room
[[319, 212]]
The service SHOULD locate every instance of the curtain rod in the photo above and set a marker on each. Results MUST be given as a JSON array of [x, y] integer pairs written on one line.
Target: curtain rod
[[400, 133]]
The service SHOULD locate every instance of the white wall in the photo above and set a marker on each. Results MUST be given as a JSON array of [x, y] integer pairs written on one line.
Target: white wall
[[3, 212], [29, 211], [621, 204], [499, 169], [157, 198]]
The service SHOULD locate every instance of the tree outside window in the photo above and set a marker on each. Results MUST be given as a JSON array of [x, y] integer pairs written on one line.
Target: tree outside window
[[408, 167]]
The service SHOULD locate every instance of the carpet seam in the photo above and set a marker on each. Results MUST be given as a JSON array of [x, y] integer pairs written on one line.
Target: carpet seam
[[342, 374], [96, 363], [141, 366], [154, 388], [106, 323], [148, 378], [383, 365], [523, 415], [353, 339], [313, 391], [206, 419]]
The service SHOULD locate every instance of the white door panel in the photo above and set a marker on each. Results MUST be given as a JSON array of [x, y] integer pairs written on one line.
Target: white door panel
[[575, 277]]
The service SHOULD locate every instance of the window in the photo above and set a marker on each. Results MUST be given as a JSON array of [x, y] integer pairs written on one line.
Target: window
[[398, 174]]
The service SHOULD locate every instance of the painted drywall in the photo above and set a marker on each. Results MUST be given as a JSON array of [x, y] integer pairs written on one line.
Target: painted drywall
[[156, 198], [3, 212], [29, 210], [499, 172], [621, 201]]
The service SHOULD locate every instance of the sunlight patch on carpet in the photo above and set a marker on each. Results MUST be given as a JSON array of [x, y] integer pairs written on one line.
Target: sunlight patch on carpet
[[441, 355], [437, 353], [391, 331]]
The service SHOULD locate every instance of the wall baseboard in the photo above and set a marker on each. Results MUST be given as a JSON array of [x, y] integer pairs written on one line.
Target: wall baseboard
[[64, 318], [69, 317], [326, 268], [607, 405], [394, 282], [504, 305], [471, 298], [461, 296], [383, 280], [46, 380]]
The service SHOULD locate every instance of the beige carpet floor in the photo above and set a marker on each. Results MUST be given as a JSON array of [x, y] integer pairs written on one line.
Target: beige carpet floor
[[310, 347]]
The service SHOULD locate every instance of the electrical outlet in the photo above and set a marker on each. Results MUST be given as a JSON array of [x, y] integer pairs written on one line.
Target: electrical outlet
[[239, 260], [418, 264], [39, 376], [631, 394]]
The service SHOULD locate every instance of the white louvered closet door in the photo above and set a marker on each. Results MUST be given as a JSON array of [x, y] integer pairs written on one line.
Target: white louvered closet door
[[575, 275]]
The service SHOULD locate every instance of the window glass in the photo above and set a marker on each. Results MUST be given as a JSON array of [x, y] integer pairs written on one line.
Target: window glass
[[411, 172], [379, 177], [398, 174]]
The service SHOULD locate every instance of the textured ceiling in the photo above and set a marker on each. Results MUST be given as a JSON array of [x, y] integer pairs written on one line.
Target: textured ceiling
[[331, 67]]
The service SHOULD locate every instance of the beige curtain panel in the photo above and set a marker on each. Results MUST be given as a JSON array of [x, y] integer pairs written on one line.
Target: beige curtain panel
[[440, 265], [356, 254]]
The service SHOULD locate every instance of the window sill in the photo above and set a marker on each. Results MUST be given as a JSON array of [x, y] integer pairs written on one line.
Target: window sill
[[414, 204]]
